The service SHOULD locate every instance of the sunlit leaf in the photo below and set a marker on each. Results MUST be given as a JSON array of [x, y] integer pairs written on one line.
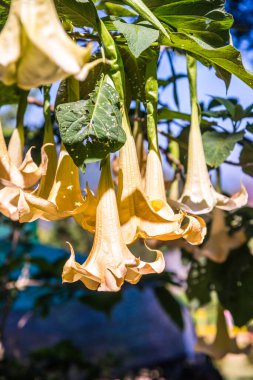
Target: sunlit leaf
[[139, 36], [218, 146], [91, 129], [79, 13]]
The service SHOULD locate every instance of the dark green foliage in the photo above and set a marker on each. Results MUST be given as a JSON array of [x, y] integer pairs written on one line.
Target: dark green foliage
[[91, 129]]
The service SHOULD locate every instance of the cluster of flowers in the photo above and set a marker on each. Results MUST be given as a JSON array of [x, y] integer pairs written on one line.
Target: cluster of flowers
[[35, 50]]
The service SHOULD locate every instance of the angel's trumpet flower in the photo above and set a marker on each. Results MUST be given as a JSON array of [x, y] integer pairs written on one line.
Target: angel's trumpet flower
[[110, 262], [13, 178], [35, 50], [193, 228], [199, 195], [220, 243], [223, 344], [65, 197], [138, 216]]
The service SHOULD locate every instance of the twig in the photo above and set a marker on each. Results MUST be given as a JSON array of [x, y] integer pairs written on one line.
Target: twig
[[232, 163]]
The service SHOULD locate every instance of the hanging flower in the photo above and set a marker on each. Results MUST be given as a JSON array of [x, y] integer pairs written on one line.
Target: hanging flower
[[223, 344], [110, 262], [35, 50], [65, 197], [148, 215], [13, 178], [138, 216], [193, 228], [199, 195]]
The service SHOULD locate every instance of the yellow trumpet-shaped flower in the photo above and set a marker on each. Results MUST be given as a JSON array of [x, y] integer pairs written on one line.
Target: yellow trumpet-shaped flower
[[193, 228], [138, 215], [147, 214], [65, 197], [110, 262], [223, 344], [35, 49], [220, 243], [13, 178], [199, 195]]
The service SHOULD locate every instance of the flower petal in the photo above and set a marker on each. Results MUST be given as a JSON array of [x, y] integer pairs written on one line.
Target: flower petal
[[237, 200], [8, 202], [38, 53]]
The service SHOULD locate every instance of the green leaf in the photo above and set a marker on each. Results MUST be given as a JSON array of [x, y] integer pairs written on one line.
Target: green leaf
[[116, 9], [249, 127], [226, 57], [170, 305], [218, 146], [246, 159], [248, 111], [139, 36], [79, 12], [228, 104], [91, 129], [204, 19], [140, 7]]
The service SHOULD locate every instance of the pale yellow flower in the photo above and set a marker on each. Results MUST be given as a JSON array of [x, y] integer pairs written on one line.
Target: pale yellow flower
[[65, 197], [193, 228], [147, 214], [220, 243], [110, 262], [223, 344], [13, 178], [35, 50], [138, 216], [199, 195]]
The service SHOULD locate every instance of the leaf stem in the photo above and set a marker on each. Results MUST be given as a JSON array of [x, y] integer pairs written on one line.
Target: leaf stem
[[48, 133], [151, 90]]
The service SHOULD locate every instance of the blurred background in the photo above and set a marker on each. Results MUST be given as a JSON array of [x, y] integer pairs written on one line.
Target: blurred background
[[53, 331]]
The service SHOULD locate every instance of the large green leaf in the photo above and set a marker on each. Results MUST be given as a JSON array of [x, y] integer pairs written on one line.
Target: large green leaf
[[204, 38], [139, 36], [91, 129], [204, 19], [218, 146], [79, 12], [226, 57]]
